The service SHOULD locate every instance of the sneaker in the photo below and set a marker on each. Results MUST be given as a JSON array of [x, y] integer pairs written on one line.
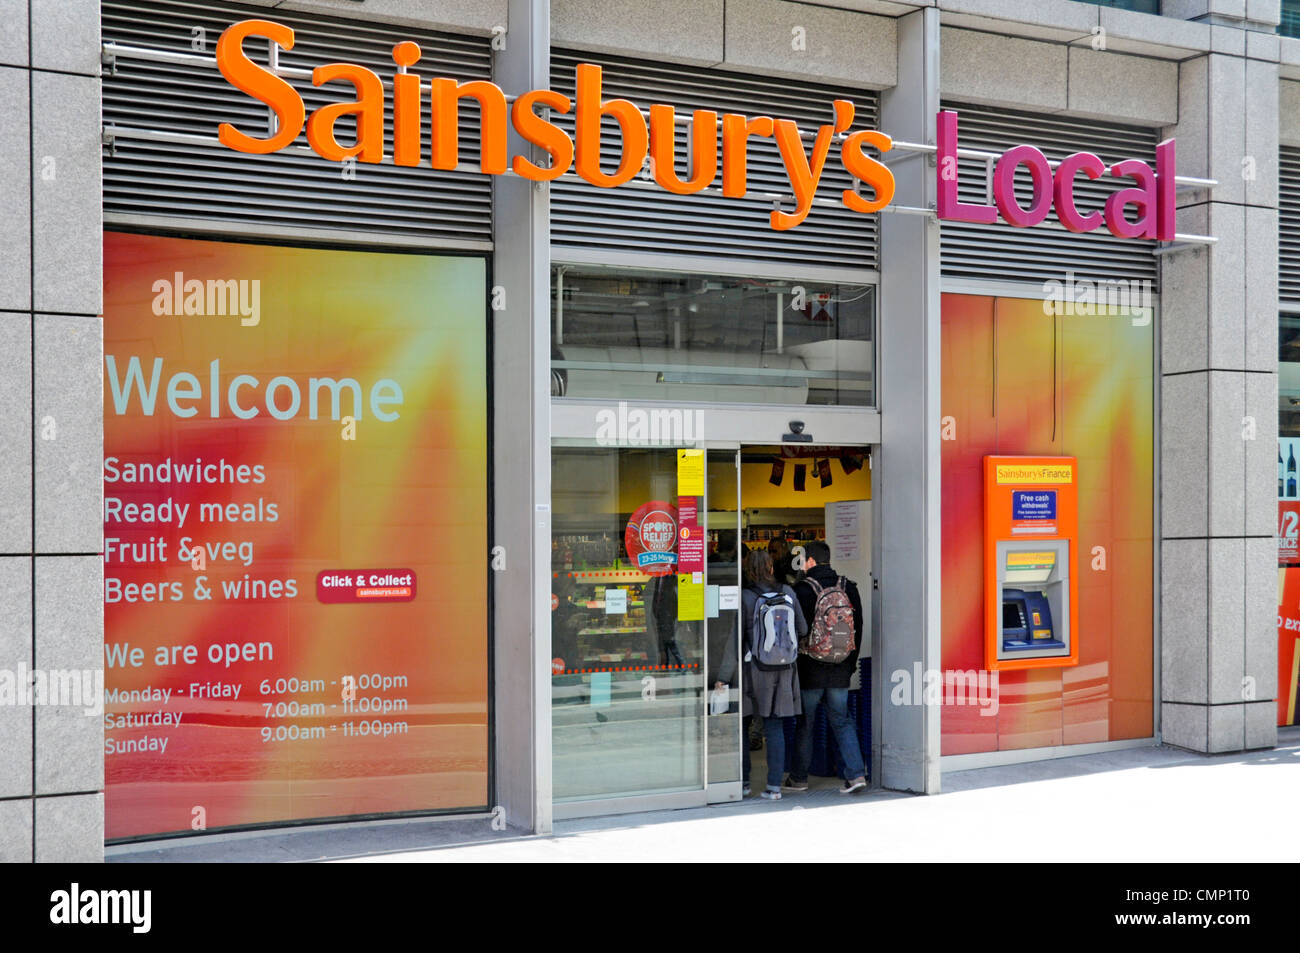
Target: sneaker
[[746, 791], [857, 784], [770, 795], [790, 784]]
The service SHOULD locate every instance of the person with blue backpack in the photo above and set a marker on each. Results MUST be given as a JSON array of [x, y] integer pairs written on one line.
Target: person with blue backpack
[[773, 627]]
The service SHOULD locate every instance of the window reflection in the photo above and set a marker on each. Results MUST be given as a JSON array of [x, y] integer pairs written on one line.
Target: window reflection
[[648, 336]]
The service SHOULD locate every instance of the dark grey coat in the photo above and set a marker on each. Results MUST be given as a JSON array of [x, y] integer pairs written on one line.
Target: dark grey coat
[[769, 694]]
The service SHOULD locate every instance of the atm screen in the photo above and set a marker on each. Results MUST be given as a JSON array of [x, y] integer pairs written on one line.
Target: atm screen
[[1027, 621]]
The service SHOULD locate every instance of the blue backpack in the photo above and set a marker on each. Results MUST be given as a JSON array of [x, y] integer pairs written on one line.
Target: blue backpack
[[773, 640]]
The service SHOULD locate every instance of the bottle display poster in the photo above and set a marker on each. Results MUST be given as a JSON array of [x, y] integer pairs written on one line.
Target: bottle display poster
[[295, 534], [1287, 475], [1288, 503], [1288, 590]]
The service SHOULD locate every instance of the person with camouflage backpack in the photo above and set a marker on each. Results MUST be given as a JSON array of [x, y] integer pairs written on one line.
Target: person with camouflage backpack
[[827, 657]]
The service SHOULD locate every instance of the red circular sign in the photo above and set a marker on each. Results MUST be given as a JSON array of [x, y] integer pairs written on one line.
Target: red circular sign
[[651, 538], [555, 602], [557, 666]]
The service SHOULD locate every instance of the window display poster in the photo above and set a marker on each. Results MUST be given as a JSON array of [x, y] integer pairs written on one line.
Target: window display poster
[[844, 531], [1288, 532], [650, 538], [690, 535], [690, 472], [295, 534], [1287, 486], [690, 596], [615, 601], [1076, 385], [1288, 643], [1288, 593]]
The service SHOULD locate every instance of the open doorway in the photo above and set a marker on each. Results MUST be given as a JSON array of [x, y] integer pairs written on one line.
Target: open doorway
[[648, 678], [786, 500]]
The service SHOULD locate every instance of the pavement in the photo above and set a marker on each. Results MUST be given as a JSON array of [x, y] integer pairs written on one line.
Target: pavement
[[1138, 804]]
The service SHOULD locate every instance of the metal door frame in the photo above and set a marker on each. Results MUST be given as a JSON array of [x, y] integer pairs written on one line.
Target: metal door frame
[[671, 800], [723, 791], [574, 421]]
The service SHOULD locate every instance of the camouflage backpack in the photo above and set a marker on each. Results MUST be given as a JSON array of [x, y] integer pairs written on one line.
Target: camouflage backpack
[[831, 637]]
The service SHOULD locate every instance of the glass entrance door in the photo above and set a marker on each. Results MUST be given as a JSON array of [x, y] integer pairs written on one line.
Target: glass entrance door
[[627, 640], [646, 630], [646, 681]]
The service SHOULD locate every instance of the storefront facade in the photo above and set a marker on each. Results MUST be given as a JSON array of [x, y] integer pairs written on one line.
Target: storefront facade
[[474, 458]]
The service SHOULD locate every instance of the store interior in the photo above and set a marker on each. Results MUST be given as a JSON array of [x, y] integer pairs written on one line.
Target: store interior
[[614, 623]]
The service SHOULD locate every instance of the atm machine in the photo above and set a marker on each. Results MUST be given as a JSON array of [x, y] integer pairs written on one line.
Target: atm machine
[[1030, 562]]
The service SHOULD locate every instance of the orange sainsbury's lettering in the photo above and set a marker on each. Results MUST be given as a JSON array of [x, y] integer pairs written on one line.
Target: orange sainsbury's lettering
[[247, 77], [736, 130], [803, 174], [368, 108], [406, 105], [588, 112], [704, 149], [868, 170], [533, 128], [445, 98], [581, 153]]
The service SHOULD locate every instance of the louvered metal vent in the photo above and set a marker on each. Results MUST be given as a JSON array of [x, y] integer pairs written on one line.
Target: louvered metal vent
[[1045, 252], [1288, 195], [709, 225], [211, 182]]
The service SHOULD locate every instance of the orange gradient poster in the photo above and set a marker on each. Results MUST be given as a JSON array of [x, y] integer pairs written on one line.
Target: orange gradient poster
[[295, 534], [1018, 380], [1288, 644]]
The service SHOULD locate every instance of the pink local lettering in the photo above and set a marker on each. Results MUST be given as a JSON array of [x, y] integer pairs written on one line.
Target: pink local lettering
[[1153, 196]]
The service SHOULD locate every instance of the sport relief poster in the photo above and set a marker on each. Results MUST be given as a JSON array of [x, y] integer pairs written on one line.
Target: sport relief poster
[[295, 534]]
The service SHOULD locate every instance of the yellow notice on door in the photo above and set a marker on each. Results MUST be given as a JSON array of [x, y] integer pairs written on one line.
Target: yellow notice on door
[[690, 472], [690, 597]]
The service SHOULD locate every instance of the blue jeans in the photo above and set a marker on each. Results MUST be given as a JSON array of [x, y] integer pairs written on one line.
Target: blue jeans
[[846, 736], [773, 747]]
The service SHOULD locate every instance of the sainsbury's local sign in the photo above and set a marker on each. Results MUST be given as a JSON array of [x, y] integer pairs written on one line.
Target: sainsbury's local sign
[[1150, 193]]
